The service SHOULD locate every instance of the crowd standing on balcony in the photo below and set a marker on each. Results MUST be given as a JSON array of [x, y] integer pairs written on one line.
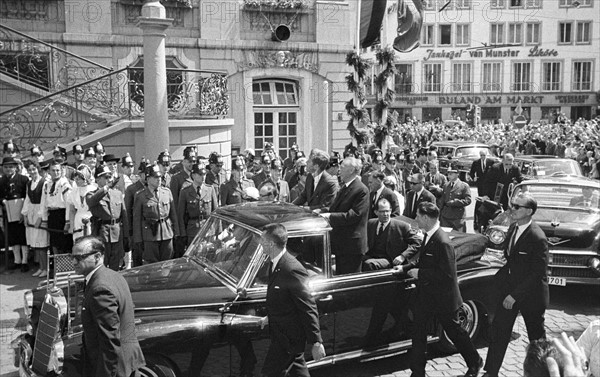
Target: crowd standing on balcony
[[152, 214]]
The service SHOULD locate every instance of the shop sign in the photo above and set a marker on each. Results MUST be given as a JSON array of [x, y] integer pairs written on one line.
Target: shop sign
[[412, 100], [572, 98], [488, 52], [278, 59], [489, 100]]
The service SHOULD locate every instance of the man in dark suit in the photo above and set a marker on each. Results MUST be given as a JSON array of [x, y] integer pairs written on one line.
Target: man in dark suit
[[320, 187], [292, 311], [391, 241], [437, 294], [110, 345], [348, 215], [504, 174], [479, 172], [378, 191], [416, 195], [455, 199], [522, 283]]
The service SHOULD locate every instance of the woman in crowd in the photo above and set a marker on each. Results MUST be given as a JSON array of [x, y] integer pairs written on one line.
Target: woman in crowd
[[79, 210], [37, 239], [301, 174]]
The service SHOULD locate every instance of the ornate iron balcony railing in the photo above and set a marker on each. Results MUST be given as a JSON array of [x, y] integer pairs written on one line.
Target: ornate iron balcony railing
[[43, 65], [70, 113]]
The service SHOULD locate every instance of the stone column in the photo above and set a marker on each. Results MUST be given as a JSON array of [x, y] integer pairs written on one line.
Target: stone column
[[153, 23]]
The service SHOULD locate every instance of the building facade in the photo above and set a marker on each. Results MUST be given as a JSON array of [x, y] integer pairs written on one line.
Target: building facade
[[285, 91], [543, 54]]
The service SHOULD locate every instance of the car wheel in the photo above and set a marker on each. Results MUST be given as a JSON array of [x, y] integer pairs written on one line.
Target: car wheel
[[157, 368], [469, 317]]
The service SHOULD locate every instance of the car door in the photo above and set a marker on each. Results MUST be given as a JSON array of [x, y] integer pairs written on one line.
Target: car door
[[370, 308]]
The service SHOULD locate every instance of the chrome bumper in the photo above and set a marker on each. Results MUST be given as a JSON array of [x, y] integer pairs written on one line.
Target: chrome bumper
[[22, 356]]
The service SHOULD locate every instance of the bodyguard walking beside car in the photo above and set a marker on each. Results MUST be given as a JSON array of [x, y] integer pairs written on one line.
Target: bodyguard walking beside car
[[292, 311], [522, 283], [437, 294], [110, 345]]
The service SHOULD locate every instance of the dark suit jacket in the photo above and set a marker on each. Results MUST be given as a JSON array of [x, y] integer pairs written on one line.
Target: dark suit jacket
[[322, 195], [455, 201], [411, 212], [524, 276], [481, 174], [390, 196], [110, 344], [292, 311], [349, 215], [437, 284], [401, 239], [497, 175]]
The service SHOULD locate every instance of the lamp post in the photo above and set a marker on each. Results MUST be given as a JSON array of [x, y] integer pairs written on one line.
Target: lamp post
[[153, 23]]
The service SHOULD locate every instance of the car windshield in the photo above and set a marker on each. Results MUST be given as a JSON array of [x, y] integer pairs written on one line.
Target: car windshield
[[549, 167], [563, 196], [470, 151], [445, 151], [225, 247]]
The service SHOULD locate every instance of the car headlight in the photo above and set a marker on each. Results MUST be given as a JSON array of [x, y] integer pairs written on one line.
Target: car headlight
[[594, 265], [28, 299], [496, 236]]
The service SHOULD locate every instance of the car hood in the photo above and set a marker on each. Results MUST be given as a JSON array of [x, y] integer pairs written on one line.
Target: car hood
[[569, 228], [175, 283]]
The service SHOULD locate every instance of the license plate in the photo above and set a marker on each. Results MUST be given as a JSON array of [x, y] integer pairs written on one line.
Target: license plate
[[557, 281]]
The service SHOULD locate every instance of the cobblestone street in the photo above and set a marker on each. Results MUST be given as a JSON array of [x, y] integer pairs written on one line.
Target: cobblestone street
[[571, 309]]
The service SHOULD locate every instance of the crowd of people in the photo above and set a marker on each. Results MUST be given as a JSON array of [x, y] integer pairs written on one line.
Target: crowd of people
[[109, 216], [150, 213]]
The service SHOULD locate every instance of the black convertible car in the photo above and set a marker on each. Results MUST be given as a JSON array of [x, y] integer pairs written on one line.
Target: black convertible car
[[203, 314]]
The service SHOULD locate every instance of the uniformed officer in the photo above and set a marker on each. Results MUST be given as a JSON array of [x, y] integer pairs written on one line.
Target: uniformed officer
[[36, 154], [179, 166], [235, 190], [196, 202], [177, 183], [154, 219], [60, 154], [79, 156], [130, 192], [164, 161], [89, 158], [100, 152], [109, 220], [216, 175]]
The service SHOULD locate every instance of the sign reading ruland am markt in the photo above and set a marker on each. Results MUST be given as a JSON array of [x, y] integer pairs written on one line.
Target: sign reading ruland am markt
[[501, 99]]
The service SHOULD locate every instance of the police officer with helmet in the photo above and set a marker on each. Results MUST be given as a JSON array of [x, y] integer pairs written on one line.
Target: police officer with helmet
[[154, 218]]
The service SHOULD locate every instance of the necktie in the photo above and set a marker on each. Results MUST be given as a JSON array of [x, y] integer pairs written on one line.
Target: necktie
[[512, 240], [482, 165], [156, 194], [424, 240], [379, 228], [198, 190], [53, 187], [451, 185], [415, 201]]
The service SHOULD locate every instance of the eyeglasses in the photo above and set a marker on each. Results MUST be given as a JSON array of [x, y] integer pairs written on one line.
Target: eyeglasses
[[412, 183], [79, 257], [518, 207]]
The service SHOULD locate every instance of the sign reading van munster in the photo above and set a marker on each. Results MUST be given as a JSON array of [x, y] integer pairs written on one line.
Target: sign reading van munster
[[489, 52]]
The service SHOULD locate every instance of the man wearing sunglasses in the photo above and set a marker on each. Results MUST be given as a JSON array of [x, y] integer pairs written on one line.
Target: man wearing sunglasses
[[522, 282], [110, 345]]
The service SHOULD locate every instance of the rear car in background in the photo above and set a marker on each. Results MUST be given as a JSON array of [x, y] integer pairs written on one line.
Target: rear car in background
[[541, 166], [460, 156], [569, 213]]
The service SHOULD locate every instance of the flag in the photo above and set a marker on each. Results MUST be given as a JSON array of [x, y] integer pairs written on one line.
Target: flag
[[410, 20], [371, 16]]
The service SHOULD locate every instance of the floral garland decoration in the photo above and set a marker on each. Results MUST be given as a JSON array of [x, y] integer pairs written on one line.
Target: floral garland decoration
[[385, 95], [358, 125]]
